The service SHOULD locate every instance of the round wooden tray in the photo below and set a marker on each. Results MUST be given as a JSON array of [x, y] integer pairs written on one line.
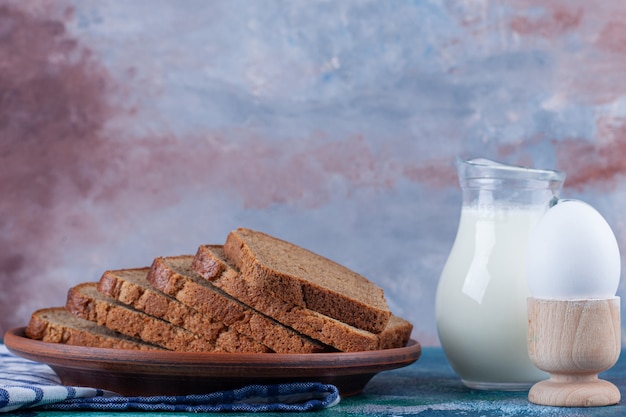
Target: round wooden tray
[[148, 373]]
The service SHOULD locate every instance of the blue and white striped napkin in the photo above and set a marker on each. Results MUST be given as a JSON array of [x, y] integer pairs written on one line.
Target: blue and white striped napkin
[[26, 384]]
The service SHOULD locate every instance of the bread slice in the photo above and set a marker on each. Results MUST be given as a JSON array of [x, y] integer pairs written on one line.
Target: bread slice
[[173, 276], [85, 301], [396, 334], [131, 287], [303, 278], [211, 263], [57, 325]]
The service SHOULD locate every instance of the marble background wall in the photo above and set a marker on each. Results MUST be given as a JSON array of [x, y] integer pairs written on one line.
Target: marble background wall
[[135, 129]]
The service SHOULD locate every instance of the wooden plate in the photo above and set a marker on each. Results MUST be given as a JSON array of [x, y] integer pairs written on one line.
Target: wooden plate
[[139, 373]]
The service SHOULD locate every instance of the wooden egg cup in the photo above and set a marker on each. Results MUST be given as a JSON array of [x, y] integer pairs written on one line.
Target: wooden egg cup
[[574, 340]]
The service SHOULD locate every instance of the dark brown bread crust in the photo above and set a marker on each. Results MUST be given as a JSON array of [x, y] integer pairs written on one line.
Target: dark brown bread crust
[[57, 325], [174, 276], [131, 287], [210, 262], [303, 278], [85, 301]]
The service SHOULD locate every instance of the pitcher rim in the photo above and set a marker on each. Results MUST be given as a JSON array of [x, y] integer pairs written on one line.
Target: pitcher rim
[[476, 168]]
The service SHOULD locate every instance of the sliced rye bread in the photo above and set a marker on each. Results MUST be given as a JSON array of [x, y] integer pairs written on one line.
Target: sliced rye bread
[[211, 263], [301, 277], [173, 276], [396, 334], [131, 287], [57, 325], [85, 301]]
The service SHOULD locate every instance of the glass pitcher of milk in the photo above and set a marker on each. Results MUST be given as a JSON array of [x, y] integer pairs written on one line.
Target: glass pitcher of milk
[[480, 306]]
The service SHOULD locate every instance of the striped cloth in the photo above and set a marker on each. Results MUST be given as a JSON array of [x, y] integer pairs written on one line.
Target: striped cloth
[[26, 384]]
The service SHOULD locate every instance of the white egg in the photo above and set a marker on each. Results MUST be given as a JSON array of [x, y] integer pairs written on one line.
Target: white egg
[[572, 254]]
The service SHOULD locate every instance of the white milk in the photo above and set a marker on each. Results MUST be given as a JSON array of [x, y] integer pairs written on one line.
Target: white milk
[[481, 299]]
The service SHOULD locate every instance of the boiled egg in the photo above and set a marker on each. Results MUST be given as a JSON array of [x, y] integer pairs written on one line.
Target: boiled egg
[[572, 254]]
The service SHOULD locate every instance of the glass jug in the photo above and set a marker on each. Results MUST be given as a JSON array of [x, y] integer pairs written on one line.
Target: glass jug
[[480, 306]]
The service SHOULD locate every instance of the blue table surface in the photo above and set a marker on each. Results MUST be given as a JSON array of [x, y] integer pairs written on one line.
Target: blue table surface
[[428, 387]]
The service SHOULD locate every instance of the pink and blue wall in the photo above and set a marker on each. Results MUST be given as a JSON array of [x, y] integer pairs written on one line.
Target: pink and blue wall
[[130, 130]]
